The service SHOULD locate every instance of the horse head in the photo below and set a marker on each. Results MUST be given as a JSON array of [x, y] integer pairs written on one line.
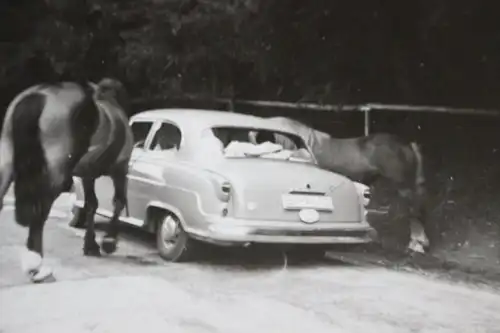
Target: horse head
[[110, 89]]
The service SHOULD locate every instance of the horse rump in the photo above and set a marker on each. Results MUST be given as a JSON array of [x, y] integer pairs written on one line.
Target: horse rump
[[30, 176]]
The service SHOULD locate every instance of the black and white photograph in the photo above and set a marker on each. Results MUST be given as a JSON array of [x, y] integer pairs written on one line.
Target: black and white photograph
[[242, 166]]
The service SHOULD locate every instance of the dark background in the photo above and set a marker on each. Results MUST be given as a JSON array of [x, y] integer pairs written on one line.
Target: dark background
[[326, 51], [418, 52]]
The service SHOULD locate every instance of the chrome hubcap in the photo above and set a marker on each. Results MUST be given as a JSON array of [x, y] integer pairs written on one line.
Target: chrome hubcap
[[169, 232]]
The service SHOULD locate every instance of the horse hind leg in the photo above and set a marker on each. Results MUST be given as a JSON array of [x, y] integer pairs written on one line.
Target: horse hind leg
[[110, 240], [34, 200], [6, 168], [90, 246], [33, 210], [420, 230], [419, 241]]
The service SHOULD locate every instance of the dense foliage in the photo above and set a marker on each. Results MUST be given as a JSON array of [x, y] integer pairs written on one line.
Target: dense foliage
[[426, 52]]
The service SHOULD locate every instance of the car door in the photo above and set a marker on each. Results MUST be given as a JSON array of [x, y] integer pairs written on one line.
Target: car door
[[104, 185], [147, 170]]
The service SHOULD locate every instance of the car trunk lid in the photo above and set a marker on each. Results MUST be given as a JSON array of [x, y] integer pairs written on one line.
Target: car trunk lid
[[266, 189]]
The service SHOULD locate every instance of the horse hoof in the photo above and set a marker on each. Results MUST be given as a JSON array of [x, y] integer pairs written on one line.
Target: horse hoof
[[43, 275], [92, 252], [77, 222], [108, 245], [77, 225], [416, 247]]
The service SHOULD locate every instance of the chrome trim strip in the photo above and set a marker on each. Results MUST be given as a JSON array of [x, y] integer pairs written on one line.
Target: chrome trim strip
[[108, 214]]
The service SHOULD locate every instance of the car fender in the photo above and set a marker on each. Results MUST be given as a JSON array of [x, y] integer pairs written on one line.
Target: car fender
[[165, 207], [194, 181]]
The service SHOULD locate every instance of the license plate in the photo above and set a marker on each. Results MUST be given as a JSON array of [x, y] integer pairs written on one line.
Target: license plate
[[297, 201]]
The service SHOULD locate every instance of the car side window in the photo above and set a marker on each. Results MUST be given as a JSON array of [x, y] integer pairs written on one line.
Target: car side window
[[167, 137], [140, 129]]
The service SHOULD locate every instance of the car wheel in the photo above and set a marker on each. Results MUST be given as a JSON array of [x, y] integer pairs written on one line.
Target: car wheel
[[307, 252], [172, 242]]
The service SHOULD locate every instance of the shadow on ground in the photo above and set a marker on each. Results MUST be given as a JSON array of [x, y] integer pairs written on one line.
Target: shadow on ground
[[255, 257], [268, 257]]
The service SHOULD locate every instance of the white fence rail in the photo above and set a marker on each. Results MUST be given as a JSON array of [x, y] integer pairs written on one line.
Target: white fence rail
[[365, 108]]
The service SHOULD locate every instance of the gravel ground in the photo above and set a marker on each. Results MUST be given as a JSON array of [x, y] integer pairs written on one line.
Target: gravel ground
[[230, 290]]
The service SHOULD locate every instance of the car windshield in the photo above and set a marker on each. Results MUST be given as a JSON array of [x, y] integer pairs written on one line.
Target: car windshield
[[241, 142]]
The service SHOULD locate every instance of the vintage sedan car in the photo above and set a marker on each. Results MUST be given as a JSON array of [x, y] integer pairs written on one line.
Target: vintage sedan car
[[219, 177]]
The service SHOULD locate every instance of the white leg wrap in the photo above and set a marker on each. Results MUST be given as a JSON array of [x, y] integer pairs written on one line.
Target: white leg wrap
[[416, 246], [417, 235], [32, 265], [30, 261], [43, 274]]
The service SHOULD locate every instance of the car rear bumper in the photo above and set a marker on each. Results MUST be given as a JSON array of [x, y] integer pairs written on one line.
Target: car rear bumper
[[238, 231]]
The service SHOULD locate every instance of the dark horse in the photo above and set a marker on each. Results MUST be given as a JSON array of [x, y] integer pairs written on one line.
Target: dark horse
[[52, 132], [369, 158]]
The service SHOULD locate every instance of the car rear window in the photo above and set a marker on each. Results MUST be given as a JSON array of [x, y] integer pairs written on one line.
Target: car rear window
[[241, 142], [256, 136]]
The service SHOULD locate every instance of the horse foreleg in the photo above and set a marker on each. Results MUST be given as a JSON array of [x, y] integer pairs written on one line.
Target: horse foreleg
[[32, 262], [90, 246], [120, 199]]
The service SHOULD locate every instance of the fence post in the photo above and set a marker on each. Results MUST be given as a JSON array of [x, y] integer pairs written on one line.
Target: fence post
[[366, 109]]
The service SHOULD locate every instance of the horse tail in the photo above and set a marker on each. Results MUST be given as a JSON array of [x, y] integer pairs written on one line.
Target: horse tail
[[30, 165], [419, 170]]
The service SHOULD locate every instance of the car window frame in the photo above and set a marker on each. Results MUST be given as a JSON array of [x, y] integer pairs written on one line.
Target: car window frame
[[260, 129], [156, 128], [148, 136]]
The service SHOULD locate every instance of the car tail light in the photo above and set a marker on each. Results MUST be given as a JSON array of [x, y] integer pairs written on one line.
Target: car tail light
[[367, 195], [364, 192], [223, 187], [226, 187]]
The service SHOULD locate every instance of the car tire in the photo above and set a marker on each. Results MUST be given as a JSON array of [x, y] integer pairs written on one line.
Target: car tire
[[172, 242]]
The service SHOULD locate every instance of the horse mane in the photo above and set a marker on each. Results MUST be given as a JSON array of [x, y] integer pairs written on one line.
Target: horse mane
[[308, 133], [313, 134]]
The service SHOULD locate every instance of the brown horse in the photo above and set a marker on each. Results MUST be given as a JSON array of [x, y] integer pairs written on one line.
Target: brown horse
[[369, 158], [52, 132]]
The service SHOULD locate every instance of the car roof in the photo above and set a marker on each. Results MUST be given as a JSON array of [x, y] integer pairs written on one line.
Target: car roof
[[200, 118]]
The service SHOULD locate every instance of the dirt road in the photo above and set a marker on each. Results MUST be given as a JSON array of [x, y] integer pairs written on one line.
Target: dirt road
[[227, 291]]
